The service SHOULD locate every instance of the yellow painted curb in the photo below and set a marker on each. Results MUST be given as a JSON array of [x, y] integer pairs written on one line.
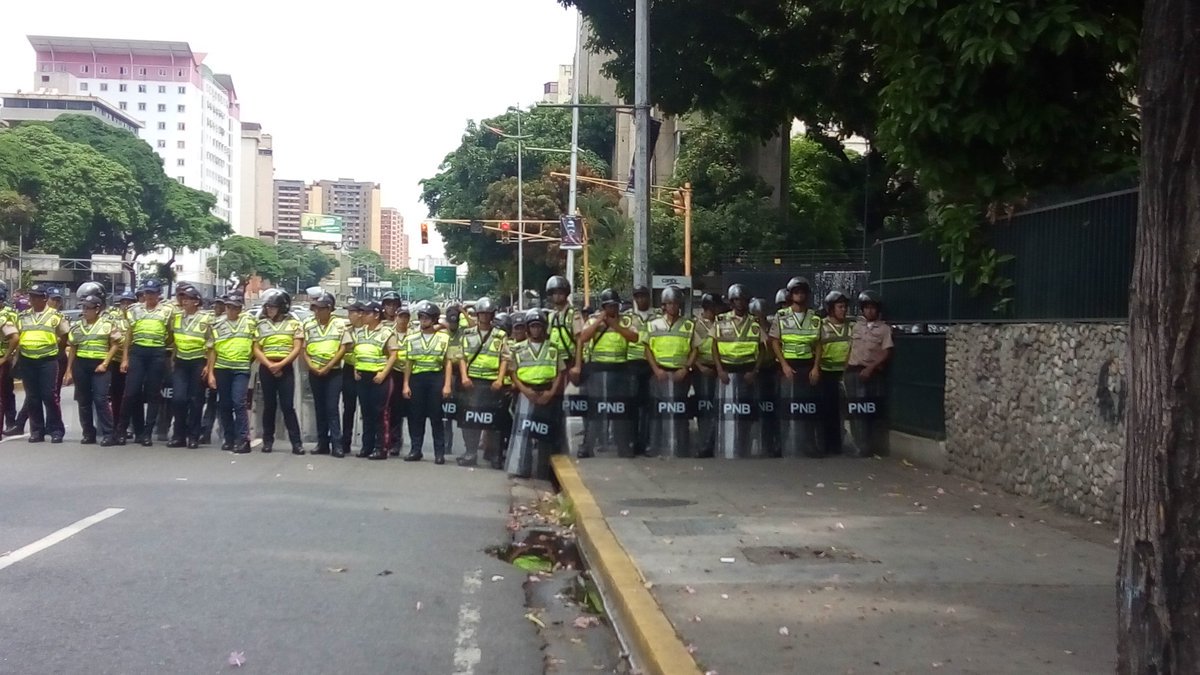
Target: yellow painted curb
[[654, 642]]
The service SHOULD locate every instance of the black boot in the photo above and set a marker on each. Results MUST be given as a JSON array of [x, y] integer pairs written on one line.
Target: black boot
[[107, 442], [227, 446], [297, 448], [338, 452], [267, 447], [176, 443], [243, 449], [193, 444], [322, 449], [56, 438], [379, 454], [206, 439], [413, 457], [467, 460], [364, 453], [88, 440], [439, 458], [37, 439]]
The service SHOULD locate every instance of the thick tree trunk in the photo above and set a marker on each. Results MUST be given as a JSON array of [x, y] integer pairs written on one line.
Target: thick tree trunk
[[1158, 589]]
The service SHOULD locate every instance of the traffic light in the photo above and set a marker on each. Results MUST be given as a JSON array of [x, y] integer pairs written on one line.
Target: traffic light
[[424, 233], [476, 227], [678, 202], [505, 232]]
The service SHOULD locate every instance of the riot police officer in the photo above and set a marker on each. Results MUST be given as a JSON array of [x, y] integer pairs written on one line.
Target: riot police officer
[[454, 324], [278, 344], [42, 336], [736, 343], [326, 339], [479, 378], [144, 362], [832, 353], [640, 315], [396, 410], [354, 321], [375, 351], [866, 383], [610, 424], [538, 370], [93, 345], [704, 379], [427, 375], [766, 381], [191, 332], [669, 352], [793, 339], [216, 310], [229, 372]]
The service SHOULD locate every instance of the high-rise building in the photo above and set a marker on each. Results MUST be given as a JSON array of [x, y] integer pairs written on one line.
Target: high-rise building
[[190, 114], [47, 104], [393, 246], [257, 182], [290, 200], [358, 205], [559, 91]]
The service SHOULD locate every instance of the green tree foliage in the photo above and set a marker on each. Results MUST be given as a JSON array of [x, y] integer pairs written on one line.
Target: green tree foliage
[[302, 266], [412, 285], [86, 201], [17, 213], [246, 257], [478, 180]]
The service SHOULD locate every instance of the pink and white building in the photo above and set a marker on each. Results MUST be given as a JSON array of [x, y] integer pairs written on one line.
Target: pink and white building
[[189, 113]]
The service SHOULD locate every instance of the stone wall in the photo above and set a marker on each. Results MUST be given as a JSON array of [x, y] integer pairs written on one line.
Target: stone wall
[[1039, 410]]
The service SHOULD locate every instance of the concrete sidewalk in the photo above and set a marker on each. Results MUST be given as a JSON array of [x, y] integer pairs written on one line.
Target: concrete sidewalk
[[859, 566]]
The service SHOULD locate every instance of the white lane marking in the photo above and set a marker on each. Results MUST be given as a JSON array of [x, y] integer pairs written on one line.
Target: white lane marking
[[466, 647], [57, 537]]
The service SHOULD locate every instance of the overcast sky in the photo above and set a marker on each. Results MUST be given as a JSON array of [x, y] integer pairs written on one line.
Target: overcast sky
[[346, 92]]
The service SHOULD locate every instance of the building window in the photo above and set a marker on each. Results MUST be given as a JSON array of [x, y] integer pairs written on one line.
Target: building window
[[83, 86], [179, 162], [103, 86], [162, 89], [122, 104], [141, 88], [122, 70], [141, 71], [181, 108], [122, 87], [179, 73], [141, 106], [45, 78], [162, 126], [162, 72], [84, 69], [180, 179], [182, 126], [162, 143], [183, 90], [62, 68], [103, 70], [162, 107], [47, 68], [180, 144]]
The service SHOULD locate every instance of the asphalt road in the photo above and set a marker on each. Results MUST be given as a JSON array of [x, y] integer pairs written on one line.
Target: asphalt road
[[214, 553]]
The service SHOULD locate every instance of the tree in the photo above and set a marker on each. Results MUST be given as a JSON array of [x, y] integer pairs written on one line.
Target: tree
[[302, 266], [1158, 586], [246, 257], [17, 213], [412, 285], [85, 202]]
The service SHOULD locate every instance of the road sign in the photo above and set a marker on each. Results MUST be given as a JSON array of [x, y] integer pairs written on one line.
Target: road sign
[[663, 280], [354, 282], [445, 274], [385, 284], [320, 227], [571, 231], [373, 284]]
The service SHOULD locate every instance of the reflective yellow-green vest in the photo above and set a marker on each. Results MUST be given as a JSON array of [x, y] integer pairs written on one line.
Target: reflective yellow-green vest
[[370, 348], [798, 333], [401, 353], [427, 353], [8, 315], [671, 343], [483, 353], [609, 346], [835, 346], [322, 342], [39, 336], [704, 351], [191, 335], [117, 318], [233, 342], [561, 331], [737, 340], [275, 338], [636, 351], [91, 342], [349, 328], [535, 364], [149, 326]]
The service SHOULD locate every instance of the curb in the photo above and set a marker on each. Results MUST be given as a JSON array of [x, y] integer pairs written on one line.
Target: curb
[[656, 647]]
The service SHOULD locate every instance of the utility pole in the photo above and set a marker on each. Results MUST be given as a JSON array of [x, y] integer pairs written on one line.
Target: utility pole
[[572, 192], [641, 152], [520, 217]]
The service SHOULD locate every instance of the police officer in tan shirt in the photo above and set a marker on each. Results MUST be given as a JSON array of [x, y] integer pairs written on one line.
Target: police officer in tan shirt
[[866, 387]]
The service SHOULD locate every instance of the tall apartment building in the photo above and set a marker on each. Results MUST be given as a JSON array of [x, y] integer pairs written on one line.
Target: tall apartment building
[[190, 113], [47, 105], [559, 91], [358, 205], [289, 201], [257, 182], [393, 242]]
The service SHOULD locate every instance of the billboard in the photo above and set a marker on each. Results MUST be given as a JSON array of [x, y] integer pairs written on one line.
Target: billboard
[[571, 230], [320, 227]]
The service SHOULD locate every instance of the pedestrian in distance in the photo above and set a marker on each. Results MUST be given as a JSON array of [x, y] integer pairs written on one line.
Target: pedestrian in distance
[[375, 352], [326, 340], [427, 377], [43, 333], [229, 372], [279, 342], [92, 347]]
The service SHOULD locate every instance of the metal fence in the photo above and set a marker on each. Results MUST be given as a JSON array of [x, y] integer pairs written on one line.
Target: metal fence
[[1072, 262]]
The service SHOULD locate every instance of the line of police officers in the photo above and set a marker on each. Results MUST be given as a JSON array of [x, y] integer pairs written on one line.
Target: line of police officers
[[758, 382]]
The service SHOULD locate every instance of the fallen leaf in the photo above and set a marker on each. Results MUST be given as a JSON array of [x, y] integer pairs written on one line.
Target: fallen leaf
[[783, 630], [237, 659], [534, 619], [335, 570], [384, 573]]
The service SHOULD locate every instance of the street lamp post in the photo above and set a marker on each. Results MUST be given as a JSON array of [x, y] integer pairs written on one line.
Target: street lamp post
[[520, 215]]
